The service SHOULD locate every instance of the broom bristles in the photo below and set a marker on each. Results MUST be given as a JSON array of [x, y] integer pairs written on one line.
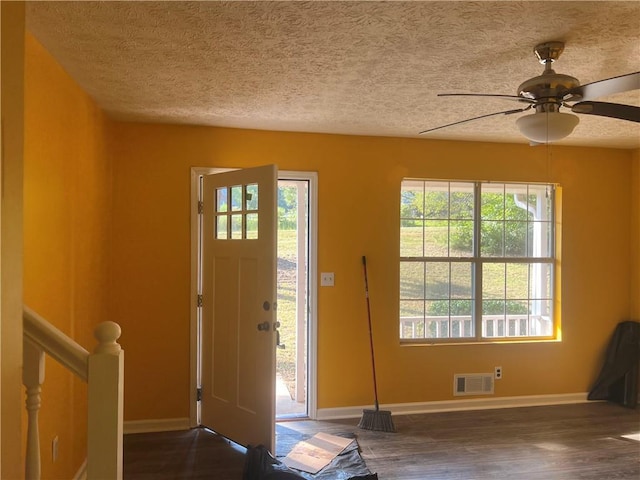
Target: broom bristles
[[377, 420]]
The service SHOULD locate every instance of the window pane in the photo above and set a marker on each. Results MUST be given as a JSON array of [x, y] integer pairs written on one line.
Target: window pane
[[236, 227], [412, 319], [461, 308], [492, 202], [461, 235], [517, 281], [493, 308], [540, 286], [412, 328], [221, 227], [516, 203], [412, 308], [432, 328], [492, 239], [443, 328], [540, 202], [411, 240], [436, 201], [236, 198], [516, 308], [252, 225], [461, 280], [251, 197], [461, 201], [412, 280], [221, 199], [436, 238], [437, 280], [437, 308], [493, 280], [515, 239], [412, 200], [540, 239]]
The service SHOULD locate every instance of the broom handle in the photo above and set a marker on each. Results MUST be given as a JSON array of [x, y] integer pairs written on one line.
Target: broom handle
[[373, 361]]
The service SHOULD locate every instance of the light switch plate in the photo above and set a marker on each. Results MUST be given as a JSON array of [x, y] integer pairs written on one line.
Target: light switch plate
[[326, 279]]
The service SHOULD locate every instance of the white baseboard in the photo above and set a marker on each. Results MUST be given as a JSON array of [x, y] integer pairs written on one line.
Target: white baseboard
[[456, 405], [157, 425]]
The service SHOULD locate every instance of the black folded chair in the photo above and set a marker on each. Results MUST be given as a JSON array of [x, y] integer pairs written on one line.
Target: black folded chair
[[618, 379]]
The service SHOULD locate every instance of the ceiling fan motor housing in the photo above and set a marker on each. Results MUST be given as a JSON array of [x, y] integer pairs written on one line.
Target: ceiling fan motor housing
[[549, 88]]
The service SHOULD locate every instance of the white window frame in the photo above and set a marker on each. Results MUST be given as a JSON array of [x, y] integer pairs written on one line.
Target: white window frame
[[485, 328]]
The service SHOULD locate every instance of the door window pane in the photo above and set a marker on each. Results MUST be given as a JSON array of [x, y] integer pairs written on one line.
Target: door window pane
[[251, 197], [221, 227], [236, 227], [236, 198], [221, 199], [252, 226]]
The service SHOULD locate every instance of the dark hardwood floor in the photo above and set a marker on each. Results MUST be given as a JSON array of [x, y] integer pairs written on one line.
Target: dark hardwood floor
[[567, 442]]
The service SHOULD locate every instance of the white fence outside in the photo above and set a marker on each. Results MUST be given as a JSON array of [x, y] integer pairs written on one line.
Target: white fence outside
[[461, 326]]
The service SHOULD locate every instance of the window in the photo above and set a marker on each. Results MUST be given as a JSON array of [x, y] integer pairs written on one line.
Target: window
[[476, 261], [236, 212]]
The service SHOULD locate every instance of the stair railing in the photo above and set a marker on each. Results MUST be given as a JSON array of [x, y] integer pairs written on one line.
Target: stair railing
[[103, 370]]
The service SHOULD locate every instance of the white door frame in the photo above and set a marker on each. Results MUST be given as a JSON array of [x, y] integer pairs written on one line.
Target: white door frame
[[312, 178]]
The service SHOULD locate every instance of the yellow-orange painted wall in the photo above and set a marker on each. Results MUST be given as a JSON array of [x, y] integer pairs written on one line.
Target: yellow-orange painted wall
[[358, 203], [67, 184]]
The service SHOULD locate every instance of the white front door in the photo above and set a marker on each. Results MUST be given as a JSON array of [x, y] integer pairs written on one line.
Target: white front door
[[238, 304]]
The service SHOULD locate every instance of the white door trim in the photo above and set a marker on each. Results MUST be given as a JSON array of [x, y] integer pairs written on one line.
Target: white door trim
[[312, 178]]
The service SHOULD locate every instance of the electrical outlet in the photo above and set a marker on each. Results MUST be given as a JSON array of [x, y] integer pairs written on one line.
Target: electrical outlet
[[326, 279], [497, 373], [54, 449]]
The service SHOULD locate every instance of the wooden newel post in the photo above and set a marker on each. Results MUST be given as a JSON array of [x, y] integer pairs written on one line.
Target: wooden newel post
[[32, 379], [106, 395]]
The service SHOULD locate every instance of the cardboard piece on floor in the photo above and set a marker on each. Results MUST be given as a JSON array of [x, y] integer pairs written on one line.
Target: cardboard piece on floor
[[314, 454]]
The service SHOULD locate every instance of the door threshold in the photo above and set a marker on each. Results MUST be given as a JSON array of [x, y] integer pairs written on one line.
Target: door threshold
[[291, 417]]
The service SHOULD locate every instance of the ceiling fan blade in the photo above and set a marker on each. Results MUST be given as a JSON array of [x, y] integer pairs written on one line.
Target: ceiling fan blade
[[506, 112], [490, 95], [604, 109], [601, 88]]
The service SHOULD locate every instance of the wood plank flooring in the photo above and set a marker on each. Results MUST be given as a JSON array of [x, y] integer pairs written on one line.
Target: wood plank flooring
[[567, 442]]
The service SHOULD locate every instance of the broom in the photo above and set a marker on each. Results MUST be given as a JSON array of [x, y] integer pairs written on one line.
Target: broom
[[379, 420]]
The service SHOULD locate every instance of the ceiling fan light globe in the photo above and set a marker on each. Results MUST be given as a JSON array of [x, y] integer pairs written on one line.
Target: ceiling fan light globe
[[547, 127]]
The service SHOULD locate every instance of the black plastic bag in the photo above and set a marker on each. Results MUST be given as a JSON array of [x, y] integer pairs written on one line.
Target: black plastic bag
[[259, 464]]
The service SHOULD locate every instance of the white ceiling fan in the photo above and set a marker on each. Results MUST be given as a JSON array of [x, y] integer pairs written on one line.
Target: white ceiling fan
[[547, 93]]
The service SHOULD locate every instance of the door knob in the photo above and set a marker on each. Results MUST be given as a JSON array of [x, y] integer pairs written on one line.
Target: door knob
[[264, 326]]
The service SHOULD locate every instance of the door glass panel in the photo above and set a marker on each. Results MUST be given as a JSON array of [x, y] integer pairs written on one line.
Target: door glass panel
[[252, 226], [221, 227], [251, 196], [236, 227], [221, 199], [236, 198]]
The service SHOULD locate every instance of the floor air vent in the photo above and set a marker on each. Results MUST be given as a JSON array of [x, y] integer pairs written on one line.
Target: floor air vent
[[473, 384]]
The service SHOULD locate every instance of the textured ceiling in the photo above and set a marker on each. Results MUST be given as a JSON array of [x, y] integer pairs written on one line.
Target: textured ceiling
[[366, 68]]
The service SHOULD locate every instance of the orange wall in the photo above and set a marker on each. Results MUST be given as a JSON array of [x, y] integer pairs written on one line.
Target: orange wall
[[67, 182], [359, 180]]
